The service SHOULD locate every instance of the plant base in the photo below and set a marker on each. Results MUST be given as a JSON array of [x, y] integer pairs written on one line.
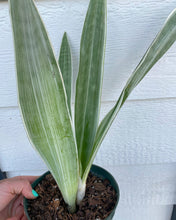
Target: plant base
[[99, 203]]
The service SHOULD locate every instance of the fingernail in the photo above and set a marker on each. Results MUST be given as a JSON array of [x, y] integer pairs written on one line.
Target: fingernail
[[35, 193]]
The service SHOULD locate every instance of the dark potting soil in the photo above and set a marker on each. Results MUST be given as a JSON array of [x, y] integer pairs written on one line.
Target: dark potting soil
[[98, 203]]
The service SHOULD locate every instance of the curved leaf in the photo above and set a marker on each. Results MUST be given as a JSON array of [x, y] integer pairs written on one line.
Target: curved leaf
[[158, 48]]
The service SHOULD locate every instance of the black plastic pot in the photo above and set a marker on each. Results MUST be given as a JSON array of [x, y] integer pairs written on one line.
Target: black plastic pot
[[97, 171]]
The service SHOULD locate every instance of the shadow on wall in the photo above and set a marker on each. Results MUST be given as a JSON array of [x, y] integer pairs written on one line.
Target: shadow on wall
[[2, 175], [174, 213]]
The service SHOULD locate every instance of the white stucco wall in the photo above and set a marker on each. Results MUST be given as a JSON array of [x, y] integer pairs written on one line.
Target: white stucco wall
[[140, 148]]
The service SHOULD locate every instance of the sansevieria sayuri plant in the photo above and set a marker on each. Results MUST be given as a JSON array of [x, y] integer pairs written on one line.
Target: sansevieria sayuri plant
[[68, 143]]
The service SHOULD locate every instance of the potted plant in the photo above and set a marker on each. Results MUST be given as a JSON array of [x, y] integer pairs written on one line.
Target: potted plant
[[68, 144]]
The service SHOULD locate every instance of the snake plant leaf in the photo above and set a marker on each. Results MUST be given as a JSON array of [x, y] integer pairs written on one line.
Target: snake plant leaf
[[65, 64], [42, 98], [163, 41], [89, 81]]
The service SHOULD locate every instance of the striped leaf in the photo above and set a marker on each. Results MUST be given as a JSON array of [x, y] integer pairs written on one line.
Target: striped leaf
[[158, 48], [42, 98], [89, 81], [65, 64]]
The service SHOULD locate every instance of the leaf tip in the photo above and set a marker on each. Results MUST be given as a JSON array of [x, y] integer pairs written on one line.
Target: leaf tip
[[65, 36]]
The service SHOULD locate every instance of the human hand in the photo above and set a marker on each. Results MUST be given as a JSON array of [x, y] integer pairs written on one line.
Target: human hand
[[11, 197]]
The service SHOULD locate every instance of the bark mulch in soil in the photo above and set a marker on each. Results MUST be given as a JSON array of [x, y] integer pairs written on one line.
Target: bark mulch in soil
[[98, 203]]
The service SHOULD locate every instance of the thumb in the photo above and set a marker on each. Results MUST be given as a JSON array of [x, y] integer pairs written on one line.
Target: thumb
[[21, 185], [9, 188]]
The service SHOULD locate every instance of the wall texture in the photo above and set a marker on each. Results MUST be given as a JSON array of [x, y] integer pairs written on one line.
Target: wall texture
[[140, 148]]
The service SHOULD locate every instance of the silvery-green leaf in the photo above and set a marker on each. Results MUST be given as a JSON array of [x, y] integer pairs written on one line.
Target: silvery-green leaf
[[65, 64], [89, 81], [42, 98], [158, 48]]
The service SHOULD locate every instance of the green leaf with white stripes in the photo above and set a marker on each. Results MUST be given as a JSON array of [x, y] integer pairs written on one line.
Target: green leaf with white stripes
[[65, 64], [42, 98], [89, 81], [158, 48]]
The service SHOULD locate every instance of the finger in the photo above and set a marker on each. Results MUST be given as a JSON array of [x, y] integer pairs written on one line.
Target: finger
[[15, 186], [13, 218], [16, 203], [19, 212], [31, 179], [23, 187], [24, 218]]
